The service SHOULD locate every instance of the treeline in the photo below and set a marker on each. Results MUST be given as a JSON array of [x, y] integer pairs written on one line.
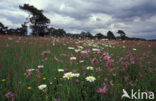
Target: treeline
[[38, 23]]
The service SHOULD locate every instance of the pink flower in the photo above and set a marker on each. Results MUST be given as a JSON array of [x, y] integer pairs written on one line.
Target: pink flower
[[102, 90], [94, 61], [105, 79], [150, 69], [65, 55], [126, 78], [114, 74], [99, 51], [132, 62], [45, 59], [74, 71], [77, 80], [45, 52], [57, 100], [56, 59], [121, 59], [140, 75], [10, 95], [87, 51], [98, 69], [65, 69], [131, 83], [29, 72], [111, 83]]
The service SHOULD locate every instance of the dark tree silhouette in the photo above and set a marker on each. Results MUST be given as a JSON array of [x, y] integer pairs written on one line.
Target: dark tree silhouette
[[38, 20], [59, 32], [100, 36], [110, 35], [122, 34], [3, 29], [86, 34]]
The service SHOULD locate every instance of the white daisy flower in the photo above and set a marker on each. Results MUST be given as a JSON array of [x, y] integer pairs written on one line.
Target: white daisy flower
[[71, 48], [72, 58], [90, 78], [81, 61], [30, 70], [123, 46], [76, 74], [95, 49], [80, 47], [90, 68], [60, 70], [40, 66], [41, 87], [68, 75], [77, 50]]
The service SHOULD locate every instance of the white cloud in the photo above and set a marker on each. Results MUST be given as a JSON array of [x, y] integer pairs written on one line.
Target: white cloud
[[9, 23]]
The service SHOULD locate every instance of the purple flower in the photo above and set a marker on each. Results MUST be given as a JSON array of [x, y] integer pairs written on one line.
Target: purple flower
[[57, 100], [99, 51], [65, 55], [131, 83], [98, 69], [102, 90], [10, 95], [56, 59], [126, 78], [45, 52], [77, 80], [150, 69], [94, 61], [74, 71], [87, 51], [105, 79]]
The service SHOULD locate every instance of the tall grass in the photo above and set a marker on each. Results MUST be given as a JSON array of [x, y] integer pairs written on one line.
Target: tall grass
[[117, 64]]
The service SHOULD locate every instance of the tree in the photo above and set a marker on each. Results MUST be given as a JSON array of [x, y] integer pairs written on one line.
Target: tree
[[100, 36], [110, 35], [59, 32], [86, 35], [38, 20], [122, 34], [3, 29]]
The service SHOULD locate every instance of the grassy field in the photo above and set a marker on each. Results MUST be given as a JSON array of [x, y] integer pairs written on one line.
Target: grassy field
[[64, 69]]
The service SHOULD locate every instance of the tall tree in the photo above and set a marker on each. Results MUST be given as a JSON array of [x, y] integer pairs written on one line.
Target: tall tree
[[38, 20], [110, 35], [100, 36], [86, 34], [3, 29], [122, 34], [59, 32]]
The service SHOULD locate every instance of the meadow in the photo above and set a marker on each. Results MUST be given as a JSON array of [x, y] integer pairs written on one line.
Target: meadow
[[66, 69]]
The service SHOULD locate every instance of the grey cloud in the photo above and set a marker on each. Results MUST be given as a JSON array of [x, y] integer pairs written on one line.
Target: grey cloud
[[122, 13]]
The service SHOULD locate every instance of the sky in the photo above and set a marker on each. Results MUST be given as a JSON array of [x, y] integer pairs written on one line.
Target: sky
[[137, 18]]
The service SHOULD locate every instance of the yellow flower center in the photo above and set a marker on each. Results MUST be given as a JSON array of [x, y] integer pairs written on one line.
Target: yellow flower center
[[3, 80], [69, 75], [44, 78], [90, 79], [25, 74], [42, 87], [19, 82], [29, 88]]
